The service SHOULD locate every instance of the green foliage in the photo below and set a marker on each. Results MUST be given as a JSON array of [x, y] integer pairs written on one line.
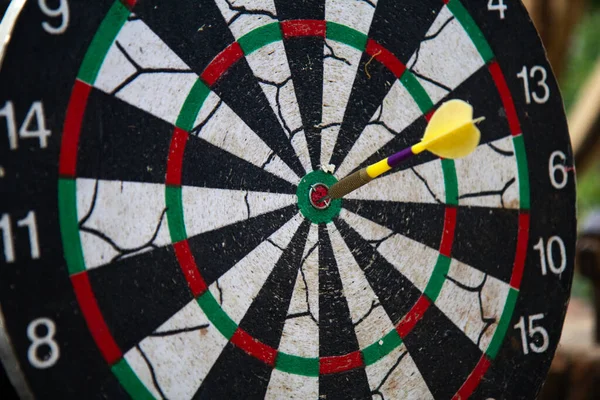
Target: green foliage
[[584, 51]]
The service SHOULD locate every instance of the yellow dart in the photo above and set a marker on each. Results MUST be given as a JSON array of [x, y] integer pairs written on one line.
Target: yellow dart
[[451, 133]]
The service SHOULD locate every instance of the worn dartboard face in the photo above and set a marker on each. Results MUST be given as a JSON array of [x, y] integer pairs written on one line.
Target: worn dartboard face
[[157, 164]]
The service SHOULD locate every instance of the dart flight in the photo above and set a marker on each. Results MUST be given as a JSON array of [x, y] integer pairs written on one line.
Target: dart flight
[[451, 133]]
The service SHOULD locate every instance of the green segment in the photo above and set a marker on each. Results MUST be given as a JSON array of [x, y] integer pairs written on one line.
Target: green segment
[[381, 348], [175, 213], [103, 39], [303, 192], [417, 92], [450, 182], [129, 380], [217, 316], [346, 35], [498, 338], [191, 106], [438, 277], [69, 225], [519, 144], [472, 29], [260, 37], [297, 365]]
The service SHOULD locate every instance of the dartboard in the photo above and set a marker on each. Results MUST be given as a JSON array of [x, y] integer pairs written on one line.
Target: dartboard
[[165, 231]]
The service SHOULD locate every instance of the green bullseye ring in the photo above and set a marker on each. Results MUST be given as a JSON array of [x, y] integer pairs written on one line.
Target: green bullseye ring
[[315, 215]]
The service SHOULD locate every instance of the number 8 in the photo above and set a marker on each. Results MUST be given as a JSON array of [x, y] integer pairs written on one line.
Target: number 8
[[36, 342]]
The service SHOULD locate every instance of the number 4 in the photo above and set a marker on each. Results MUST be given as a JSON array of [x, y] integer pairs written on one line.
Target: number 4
[[500, 7]]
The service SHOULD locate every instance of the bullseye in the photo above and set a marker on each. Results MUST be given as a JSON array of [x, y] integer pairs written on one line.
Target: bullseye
[[317, 194]]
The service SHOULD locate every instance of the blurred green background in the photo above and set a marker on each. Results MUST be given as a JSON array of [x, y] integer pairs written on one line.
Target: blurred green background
[[583, 54]]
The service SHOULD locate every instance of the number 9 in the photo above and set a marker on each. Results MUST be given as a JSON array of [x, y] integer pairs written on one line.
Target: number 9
[[61, 11]]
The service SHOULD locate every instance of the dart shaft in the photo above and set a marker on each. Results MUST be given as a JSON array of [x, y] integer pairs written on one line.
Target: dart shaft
[[366, 175]]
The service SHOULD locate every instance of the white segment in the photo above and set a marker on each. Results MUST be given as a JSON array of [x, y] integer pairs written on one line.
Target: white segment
[[246, 22], [357, 14], [299, 144], [300, 335], [485, 170], [413, 259], [209, 209], [270, 66], [160, 94], [360, 297], [227, 131], [405, 186], [294, 386], [404, 381], [450, 58], [243, 281], [129, 213], [397, 112], [462, 306], [180, 361], [338, 76]]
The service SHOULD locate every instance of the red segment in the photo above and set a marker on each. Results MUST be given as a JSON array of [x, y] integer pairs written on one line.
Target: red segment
[[95, 322], [129, 3], [72, 129], [253, 347], [385, 57], [466, 390], [507, 100], [221, 63], [189, 268], [175, 160], [429, 115], [413, 316], [448, 234], [335, 364], [317, 193], [521, 253], [303, 27]]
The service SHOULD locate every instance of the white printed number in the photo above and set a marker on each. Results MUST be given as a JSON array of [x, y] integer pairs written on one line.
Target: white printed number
[[28, 222], [541, 93], [554, 246], [51, 352], [61, 11], [534, 338], [559, 176], [34, 125], [497, 5]]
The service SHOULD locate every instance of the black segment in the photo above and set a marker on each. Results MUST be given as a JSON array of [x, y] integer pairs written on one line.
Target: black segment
[[406, 219], [267, 314], [264, 321], [235, 375], [444, 355], [305, 58], [120, 142], [475, 90], [218, 251], [395, 292], [132, 294], [193, 29], [239, 88], [197, 33], [203, 167], [368, 92], [486, 239], [336, 331]]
